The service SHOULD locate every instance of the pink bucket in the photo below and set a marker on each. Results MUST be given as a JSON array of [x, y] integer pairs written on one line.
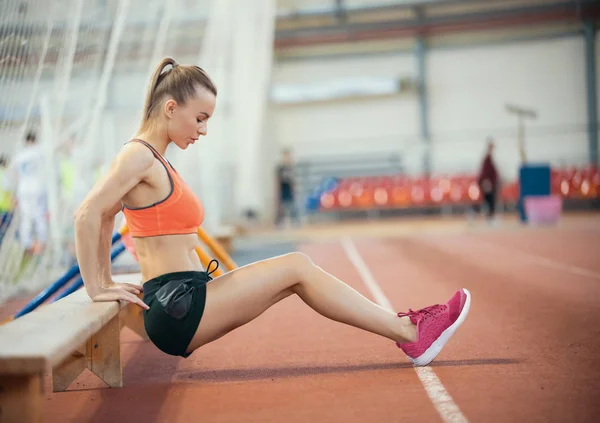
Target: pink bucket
[[543, 209]]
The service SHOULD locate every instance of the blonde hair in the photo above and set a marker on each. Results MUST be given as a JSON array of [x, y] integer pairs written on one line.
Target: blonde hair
[[178, 82]]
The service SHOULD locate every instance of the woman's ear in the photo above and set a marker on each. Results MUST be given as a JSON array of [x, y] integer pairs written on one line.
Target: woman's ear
[[170, 107]]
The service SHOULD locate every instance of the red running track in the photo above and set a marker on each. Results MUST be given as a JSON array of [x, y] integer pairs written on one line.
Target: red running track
[[528, 351]]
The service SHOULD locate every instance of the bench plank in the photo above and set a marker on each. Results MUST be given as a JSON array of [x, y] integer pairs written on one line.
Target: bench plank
[[48, 335]]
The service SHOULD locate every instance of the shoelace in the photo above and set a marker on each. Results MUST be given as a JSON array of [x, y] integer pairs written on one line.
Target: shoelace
[[210, 272], [424, 312]]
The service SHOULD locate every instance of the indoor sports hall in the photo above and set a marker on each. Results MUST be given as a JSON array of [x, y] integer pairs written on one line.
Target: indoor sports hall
[[425, 170]]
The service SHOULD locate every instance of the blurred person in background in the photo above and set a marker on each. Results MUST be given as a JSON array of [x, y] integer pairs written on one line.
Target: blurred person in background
[[29, 173], [67, 171], [6, 200], [488, 183], [286, 206]]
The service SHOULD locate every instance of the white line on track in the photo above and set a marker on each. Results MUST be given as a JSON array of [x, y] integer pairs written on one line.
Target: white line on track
[[441, 399]]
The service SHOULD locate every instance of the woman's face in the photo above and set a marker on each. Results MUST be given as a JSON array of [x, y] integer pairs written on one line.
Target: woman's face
[[187, 123]]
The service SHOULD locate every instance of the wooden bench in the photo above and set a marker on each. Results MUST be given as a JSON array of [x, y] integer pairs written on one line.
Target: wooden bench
[[65, 337]]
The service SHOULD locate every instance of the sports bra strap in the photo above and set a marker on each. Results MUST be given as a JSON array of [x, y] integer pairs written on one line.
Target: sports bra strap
[[156, 153]]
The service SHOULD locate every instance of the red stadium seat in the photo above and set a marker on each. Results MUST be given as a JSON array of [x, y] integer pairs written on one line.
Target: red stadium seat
[[328, 200], [344, 198], [400, 196], [401, 191], [364, 200], [381, 197], [474, 194], [420, 193]]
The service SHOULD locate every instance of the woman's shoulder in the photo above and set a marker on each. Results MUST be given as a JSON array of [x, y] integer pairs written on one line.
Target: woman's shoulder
[[135, 151], [134, 156]]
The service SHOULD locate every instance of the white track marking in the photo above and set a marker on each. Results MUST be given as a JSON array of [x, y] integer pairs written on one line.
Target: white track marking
[[365, 274], [441, 399]]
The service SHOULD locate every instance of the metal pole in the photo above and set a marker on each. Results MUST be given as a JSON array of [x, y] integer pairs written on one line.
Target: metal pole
[[214, 57], [109, 63], [64, 77], [521, 136], [161, 37], [591, 88], [38, 72], [420, 51], [47, 137], [522, 114]]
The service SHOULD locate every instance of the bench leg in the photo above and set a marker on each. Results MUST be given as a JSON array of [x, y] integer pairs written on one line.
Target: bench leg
[[21, 398], [66, 372], [131, 316], [103, 353]]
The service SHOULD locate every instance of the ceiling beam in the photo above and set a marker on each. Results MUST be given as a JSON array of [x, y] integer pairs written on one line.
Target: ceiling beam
[[423, 25], [356, 10]]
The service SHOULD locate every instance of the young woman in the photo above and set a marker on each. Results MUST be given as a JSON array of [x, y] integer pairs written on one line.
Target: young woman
[[184, 308]]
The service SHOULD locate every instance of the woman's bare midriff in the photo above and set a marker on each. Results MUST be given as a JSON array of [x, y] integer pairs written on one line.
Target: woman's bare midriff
[[158, 255]]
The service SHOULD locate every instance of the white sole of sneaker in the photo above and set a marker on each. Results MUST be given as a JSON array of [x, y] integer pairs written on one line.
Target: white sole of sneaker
[[431, 353]]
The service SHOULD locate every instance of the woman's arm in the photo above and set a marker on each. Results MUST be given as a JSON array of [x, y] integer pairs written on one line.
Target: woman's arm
[[92, 238], [106, 232], [88, 230]]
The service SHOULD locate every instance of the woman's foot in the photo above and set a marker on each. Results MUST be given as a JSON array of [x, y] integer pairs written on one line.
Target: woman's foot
[[435, 325]]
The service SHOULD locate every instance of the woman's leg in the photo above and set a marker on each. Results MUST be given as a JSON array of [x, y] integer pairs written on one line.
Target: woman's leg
[[240, 296]]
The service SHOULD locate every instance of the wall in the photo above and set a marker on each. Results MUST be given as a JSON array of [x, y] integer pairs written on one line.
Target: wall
[[353, 125], [468, 88]]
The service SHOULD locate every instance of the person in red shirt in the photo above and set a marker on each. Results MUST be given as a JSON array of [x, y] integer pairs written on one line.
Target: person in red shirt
[[488, 182]]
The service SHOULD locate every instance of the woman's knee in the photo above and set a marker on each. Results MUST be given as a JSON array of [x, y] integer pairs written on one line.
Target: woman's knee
[[298, 259], [299, 264]]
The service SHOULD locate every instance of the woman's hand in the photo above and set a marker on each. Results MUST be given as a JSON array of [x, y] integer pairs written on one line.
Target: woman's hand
[[120, 292]]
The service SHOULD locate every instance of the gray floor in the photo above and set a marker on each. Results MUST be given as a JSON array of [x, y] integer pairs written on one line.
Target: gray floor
[[251, 252], [245, 252]]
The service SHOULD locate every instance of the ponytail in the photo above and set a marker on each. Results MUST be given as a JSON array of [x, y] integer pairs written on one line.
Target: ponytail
[[157, 77]]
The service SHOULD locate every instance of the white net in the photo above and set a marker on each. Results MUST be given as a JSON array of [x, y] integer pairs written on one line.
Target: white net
[[48, 64], [75, 72]]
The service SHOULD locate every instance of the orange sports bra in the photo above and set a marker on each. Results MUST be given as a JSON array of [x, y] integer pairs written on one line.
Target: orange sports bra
[[181, 212]]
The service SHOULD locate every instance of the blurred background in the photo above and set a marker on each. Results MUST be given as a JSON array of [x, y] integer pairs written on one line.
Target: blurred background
[[327, 110]]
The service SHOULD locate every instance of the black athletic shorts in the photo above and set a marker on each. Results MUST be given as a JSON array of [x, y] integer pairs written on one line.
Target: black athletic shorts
[[176, 302]]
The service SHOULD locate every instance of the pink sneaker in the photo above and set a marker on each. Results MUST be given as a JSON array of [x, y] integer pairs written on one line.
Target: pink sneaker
[[435, 325]]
